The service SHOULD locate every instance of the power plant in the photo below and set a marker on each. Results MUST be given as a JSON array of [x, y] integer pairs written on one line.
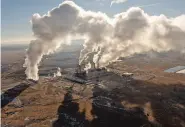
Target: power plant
[[83, 68]]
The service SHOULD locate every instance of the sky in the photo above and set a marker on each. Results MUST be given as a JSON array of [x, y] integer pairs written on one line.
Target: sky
[[16, 14]]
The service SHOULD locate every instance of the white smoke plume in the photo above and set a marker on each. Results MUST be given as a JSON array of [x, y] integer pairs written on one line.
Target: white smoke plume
[[105, 38], [58, 73]]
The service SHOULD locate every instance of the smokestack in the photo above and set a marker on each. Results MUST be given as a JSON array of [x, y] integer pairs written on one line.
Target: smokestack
[[125, 34], [79, 69]]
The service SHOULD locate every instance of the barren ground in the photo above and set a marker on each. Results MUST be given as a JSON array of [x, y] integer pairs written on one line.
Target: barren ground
[[149, 98]]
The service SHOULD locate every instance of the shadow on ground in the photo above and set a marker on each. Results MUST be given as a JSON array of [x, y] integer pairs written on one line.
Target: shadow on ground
[[137, 104], [10, 94], [68, 114]]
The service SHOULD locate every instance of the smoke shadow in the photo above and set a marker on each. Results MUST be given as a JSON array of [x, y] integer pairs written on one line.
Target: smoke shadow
[[68, 115], [9, 95], [160, 104], [110, 112], [104, 115], [136, 103]]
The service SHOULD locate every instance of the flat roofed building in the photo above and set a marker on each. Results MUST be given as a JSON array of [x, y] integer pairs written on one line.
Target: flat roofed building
[[181, 71], [175, 69]]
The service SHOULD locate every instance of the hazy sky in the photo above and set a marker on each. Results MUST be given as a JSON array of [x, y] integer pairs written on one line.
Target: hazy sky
[[16, 14]]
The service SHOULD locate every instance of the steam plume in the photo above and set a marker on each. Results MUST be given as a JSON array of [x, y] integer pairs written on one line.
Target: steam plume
[[58, 73], [105, 39]]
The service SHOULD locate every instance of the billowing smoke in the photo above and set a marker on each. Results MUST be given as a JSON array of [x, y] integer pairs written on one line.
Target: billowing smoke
[[105, 39]]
